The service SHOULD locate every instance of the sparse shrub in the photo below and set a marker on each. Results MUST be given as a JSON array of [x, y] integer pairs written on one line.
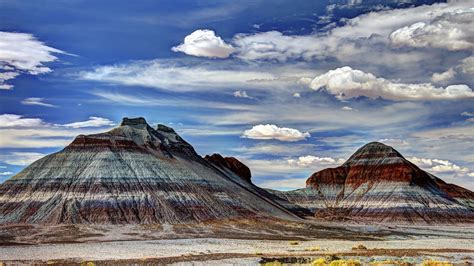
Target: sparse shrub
[[332, 257], [436, 263], [313, 249], [344, 263], [319, 262], [258, 253], [87, 263], [294, 243], [359, 247]]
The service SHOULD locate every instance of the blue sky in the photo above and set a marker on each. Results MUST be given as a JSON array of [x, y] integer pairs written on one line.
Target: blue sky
[[288, 87]]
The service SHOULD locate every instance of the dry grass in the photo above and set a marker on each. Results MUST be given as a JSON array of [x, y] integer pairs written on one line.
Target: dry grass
[[312, 249], [359, 247], [436, 263], [344, 263]]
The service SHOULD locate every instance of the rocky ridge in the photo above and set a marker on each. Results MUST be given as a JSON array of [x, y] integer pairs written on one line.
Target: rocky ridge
[[130, 174]]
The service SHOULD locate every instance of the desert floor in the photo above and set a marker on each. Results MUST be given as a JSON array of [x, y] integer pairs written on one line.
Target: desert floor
[[232, 243]]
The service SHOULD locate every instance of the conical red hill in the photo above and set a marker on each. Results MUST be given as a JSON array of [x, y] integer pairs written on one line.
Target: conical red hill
[[378, 184]]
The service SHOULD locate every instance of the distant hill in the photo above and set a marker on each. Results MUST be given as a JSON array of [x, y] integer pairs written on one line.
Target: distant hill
[[378, 184]]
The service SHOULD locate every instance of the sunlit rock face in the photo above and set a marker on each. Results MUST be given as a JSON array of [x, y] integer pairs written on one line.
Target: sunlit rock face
[[131, 174], [378, 184]]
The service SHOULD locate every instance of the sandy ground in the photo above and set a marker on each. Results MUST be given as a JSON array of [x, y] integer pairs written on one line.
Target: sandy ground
[[145, 250], [165, 244]]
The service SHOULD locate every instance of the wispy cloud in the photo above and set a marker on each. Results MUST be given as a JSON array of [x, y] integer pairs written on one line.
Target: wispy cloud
[[93, 121], [14, 121], [241, 94], [276, 149], [284, 183], [21, 132], [176, 76], [36, 101], [6, 173], [20, 158], [146, 100], [23, 53]]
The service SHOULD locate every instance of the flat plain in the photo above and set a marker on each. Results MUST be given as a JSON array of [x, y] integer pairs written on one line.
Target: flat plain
[[232, 243]]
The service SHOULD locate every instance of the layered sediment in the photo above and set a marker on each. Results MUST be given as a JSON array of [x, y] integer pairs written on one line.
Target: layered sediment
[[378, 184], [131, 174]]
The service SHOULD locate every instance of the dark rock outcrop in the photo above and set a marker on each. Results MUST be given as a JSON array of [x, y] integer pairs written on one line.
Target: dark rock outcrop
[[230, 163]]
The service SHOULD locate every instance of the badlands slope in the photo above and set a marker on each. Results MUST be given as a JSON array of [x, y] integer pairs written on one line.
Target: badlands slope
[[377, 184], [131, 174], [135, 174]]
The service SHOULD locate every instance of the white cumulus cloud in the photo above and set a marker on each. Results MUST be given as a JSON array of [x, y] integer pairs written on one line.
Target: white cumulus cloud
[[451, 30], [314, 161], [204, 43], [346, 82], [438, 166], [361, 37], [467, 65], [443, 76], [268, 131], [22, 53]]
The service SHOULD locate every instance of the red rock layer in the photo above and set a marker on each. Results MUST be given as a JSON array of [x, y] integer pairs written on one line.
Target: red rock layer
[[132, 174], [232, 164], [378, 184], [375, 162]]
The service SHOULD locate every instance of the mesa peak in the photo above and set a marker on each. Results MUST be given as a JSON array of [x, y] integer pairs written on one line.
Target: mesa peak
[[135, 121]]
